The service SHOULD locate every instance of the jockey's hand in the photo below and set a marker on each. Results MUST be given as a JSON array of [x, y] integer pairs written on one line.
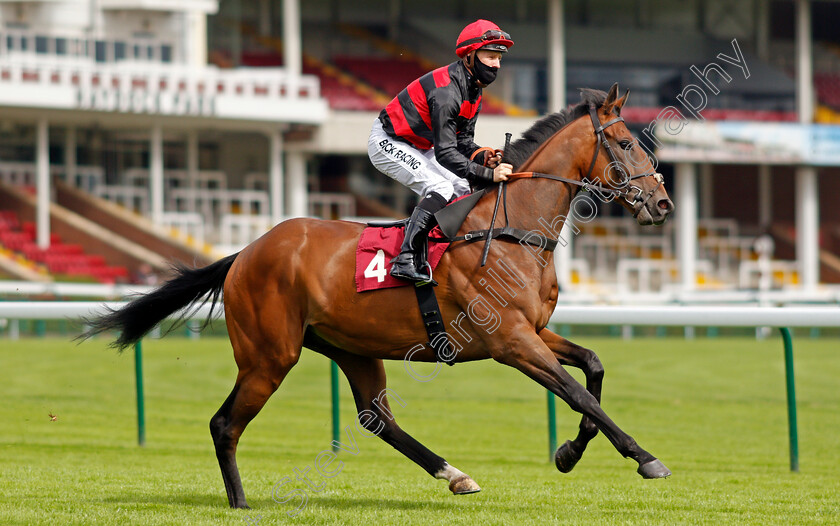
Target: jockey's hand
[[501, 172], [494, 161]]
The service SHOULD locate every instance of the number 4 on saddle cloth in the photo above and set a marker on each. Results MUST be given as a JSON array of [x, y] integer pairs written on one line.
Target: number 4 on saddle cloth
[[377, 246], [379, 243]]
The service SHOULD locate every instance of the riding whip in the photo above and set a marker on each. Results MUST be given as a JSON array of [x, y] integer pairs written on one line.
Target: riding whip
[[496, 209]]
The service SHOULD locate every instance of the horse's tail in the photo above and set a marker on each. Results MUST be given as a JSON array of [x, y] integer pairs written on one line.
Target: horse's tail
[[141, 314]]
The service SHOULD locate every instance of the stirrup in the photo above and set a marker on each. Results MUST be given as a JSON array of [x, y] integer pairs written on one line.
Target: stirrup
[[431, 281]]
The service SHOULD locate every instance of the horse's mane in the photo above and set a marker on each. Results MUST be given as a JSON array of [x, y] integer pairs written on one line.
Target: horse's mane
[[521, 149]]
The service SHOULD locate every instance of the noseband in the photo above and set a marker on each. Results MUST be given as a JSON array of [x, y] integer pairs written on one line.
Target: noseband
[[624, 193]]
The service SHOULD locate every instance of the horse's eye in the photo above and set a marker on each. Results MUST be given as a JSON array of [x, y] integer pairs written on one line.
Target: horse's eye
[[625, 144]]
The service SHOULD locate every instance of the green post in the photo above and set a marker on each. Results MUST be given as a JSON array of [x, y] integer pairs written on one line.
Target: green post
[[552, 425], [138, 375], [334, 389], [791, 400]]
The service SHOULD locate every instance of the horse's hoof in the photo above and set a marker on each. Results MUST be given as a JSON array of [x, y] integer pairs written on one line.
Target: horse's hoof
[[564, 458], [463, 486], [654, 470]]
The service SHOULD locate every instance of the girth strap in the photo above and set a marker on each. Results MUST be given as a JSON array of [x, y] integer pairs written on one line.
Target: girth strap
[[525, 236], [433, 322]]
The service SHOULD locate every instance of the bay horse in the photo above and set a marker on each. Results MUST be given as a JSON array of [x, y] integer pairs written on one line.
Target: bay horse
[[294, 287]]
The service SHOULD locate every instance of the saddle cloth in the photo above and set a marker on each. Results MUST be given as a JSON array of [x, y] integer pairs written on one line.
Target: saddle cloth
[[377, 246]]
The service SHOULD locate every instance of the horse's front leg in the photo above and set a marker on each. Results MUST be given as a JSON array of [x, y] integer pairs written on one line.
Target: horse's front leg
[[527, 352], [568, 353]]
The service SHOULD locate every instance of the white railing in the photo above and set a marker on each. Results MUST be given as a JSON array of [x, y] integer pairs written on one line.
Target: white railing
[[718, 316], [18, 174], [188, 227], [650, 316], [85, 178], [256, 181], [131, 77], [133, 198], [70, 290], [204, 179], [80, 83], [603, 252], [766, 274], [331, 205], [653, 275], [238, 231], [212, 204]]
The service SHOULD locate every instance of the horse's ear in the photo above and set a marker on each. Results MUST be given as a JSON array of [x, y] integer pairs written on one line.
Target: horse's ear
[[610, 100], [621, 102]]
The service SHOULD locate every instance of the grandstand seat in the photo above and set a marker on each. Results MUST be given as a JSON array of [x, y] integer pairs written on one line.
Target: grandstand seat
[[58, 258], [828, 89], [8, 220], [388, 74], [341, 96]]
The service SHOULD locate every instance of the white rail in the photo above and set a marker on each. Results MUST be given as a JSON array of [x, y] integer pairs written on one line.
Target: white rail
[[828, 316], [61, 289], [61, 310], [579, 314]]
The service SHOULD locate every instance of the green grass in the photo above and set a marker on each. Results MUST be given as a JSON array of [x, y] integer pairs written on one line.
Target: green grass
[[712, 409]]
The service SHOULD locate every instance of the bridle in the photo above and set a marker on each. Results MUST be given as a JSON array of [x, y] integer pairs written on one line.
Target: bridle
[[530, 237], [625, 193]]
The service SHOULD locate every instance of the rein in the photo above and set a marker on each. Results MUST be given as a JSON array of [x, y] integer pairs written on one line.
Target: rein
[[547, 243]]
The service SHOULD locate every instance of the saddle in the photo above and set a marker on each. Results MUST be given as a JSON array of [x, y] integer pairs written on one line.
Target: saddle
[[449, 219]]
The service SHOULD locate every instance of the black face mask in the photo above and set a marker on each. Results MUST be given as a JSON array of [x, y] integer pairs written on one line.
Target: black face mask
[[484, 73]]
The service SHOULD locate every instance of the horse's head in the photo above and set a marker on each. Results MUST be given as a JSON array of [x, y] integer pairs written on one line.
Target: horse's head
[[619, 163]]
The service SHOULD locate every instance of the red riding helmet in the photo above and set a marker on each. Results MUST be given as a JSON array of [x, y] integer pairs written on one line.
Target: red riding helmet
[[482, 34]]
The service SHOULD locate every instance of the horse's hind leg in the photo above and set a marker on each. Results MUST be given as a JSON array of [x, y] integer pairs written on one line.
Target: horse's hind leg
[[367, 381], [262, 367], [568, 353]]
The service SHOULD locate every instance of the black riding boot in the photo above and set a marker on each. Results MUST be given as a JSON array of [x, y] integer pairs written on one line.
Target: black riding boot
[[410, 264]]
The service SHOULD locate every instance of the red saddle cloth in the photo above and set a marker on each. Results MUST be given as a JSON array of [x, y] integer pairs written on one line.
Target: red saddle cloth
[[377, 246]]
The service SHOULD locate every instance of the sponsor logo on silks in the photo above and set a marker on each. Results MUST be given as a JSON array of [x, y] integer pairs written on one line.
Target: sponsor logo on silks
[[388, 147]]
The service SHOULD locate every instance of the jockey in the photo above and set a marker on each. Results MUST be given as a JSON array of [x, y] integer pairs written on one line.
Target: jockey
[[424, 138]]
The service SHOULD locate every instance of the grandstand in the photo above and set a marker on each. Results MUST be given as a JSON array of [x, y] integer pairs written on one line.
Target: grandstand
[[132, 132]]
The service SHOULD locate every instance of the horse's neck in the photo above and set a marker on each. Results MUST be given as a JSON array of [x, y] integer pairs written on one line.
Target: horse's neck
[[536, 203], [541, 204]]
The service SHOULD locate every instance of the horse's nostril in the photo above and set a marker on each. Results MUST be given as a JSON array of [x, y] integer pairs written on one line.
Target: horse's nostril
[[666, 206]]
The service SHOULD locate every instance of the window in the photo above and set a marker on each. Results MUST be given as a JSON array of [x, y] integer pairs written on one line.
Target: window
[[24, 44], [119, 51], [138, 52], [166, 53], [60, 46], [100, 47], [41, 45], [10, 42]]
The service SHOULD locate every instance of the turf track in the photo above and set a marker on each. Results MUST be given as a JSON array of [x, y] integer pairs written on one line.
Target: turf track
[[712, 409]]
